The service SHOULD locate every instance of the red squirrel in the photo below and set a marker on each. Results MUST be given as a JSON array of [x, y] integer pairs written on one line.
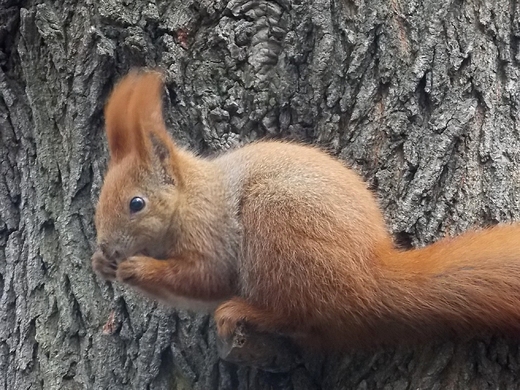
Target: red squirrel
[[285, 239]]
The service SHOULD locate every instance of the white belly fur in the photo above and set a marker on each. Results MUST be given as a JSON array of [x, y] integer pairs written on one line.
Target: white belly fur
[[183, 303], [192, 304]]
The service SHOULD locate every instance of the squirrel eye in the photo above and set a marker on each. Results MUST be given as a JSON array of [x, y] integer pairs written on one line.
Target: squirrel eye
[[137, 204]]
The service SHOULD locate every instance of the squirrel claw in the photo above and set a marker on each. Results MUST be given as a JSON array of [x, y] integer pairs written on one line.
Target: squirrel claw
[[227, 320], [129, 271], [104, 267]]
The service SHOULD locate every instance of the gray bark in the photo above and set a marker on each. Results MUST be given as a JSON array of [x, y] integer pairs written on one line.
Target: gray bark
[[420, 97]]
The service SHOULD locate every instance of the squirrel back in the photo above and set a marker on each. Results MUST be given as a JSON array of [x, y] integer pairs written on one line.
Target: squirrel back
[[284, 238], [339, 276]]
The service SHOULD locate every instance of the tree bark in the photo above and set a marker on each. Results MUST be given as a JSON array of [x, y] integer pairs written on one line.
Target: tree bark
[[420, 97]]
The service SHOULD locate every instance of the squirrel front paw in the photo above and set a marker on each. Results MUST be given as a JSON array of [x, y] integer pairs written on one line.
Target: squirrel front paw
[[106, 268], [132, 270]]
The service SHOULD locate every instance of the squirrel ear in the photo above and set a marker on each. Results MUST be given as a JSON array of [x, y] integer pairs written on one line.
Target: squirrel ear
[[145, 111], [135, 123], [155, 146], [162, 155], [117, 121]]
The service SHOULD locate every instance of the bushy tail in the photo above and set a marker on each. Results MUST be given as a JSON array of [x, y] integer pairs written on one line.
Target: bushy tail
[[459, 285]]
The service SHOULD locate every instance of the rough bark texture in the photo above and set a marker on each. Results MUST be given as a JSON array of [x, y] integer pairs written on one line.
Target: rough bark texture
[[420, 97]]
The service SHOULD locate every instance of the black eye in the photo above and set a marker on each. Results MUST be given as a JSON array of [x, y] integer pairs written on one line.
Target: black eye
[[137, 204]]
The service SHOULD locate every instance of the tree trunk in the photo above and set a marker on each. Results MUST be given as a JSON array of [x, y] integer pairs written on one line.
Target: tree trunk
[[420, 97]]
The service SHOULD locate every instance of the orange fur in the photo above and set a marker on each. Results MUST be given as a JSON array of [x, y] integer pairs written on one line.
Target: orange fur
[[286, 239], [117, 121]]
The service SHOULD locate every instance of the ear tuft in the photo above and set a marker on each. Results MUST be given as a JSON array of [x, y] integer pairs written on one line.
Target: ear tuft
[[116, 117], [134, 113], [146, 111], [135, 125]]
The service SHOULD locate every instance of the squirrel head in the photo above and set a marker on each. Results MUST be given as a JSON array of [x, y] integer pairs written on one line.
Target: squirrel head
[[140, 193]]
